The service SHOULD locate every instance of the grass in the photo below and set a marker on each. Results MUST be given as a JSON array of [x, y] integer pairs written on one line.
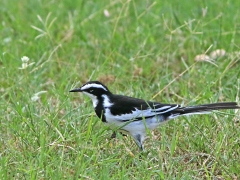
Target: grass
[[145, 49]]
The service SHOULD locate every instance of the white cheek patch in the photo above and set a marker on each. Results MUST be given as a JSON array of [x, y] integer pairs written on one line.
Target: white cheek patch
[[94, 98], [87, 86]]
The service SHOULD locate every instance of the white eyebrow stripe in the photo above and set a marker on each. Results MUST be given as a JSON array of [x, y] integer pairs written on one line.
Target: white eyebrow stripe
[[87, 86]]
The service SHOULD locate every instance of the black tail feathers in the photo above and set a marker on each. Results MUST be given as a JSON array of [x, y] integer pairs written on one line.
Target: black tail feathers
[[204, 108]]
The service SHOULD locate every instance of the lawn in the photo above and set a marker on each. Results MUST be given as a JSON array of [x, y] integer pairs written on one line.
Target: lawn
[[184, 52]]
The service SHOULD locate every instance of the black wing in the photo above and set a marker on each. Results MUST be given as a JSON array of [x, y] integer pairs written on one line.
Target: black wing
[[127, 108]]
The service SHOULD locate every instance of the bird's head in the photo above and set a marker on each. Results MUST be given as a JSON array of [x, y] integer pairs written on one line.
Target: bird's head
[[93, 89]]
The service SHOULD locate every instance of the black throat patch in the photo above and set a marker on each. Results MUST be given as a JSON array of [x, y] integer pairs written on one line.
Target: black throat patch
[[99, 110]]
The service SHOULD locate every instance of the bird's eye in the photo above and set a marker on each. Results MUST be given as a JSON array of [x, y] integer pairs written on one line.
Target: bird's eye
[[91, 90]]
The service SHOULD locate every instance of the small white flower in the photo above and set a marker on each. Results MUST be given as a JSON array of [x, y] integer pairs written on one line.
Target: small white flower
[[25, 63], [25, 59], [36, 96], [24, 66], [106, 13]]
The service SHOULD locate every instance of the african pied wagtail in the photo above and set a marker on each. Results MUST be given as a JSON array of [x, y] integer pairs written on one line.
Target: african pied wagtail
[[133, 116]]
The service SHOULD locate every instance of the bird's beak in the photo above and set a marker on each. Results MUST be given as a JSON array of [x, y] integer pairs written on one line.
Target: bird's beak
[[76, 90]]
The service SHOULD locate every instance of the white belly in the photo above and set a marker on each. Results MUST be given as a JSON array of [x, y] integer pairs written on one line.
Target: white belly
[[136, 126]]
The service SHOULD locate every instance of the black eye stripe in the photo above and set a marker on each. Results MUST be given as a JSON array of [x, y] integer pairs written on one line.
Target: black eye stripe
[[94, 89]]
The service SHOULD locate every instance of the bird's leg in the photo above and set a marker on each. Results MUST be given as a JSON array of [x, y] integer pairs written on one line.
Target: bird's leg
[[139, 139], [113, 136]]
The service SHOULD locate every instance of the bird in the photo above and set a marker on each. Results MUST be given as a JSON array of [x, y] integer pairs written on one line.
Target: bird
[[135, 116]]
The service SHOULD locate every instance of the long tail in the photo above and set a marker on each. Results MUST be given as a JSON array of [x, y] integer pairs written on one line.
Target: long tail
[[206, 108]]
